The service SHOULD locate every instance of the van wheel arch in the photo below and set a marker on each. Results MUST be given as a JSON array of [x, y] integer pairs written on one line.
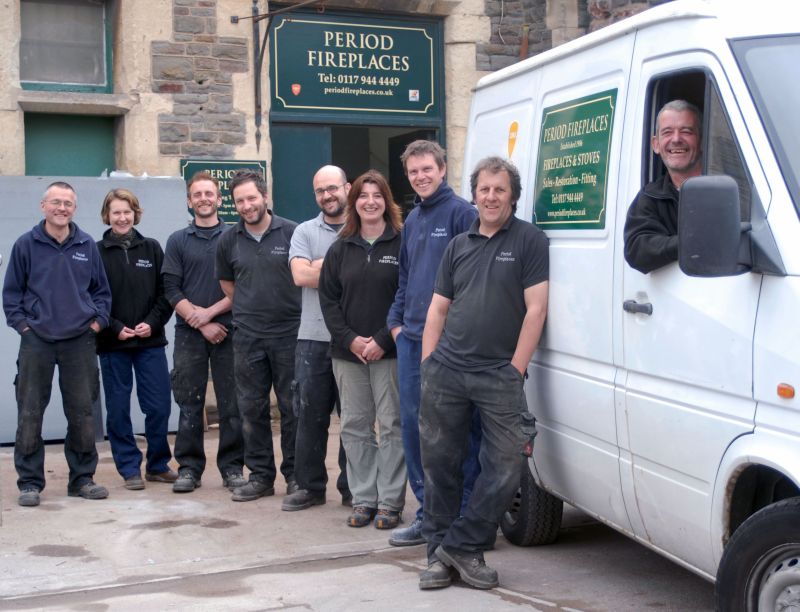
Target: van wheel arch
[[534, 518], [760, 567]]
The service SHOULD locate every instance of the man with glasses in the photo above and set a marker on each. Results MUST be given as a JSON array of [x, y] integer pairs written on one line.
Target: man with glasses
[[56, 296], [315, 394]]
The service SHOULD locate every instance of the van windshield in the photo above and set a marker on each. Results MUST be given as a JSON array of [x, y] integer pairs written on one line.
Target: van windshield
[[771, 68]]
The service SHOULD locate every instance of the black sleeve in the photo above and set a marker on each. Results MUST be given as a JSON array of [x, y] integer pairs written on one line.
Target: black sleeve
[[330, 299], [161, 312], [649, 242]]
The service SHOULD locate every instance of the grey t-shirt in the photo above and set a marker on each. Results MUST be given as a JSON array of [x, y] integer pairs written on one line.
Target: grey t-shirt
[[266, 302], [486, 279], [311, 240]]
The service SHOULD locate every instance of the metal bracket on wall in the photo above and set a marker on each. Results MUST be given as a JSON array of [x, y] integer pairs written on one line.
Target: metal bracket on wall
[[260, 45]]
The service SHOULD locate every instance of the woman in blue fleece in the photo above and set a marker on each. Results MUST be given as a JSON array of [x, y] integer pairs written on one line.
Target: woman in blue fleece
[[134, 342]]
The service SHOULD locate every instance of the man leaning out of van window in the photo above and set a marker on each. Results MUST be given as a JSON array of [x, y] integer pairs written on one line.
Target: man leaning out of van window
[[651, 228]]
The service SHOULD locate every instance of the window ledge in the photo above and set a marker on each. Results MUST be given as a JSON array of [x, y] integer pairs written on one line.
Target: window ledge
[[71, 103]]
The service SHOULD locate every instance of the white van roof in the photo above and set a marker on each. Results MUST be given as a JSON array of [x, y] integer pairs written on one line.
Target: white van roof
[[736, 18]]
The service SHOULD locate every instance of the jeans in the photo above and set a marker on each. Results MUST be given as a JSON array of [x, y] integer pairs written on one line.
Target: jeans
[[152, 390], [191, 357], [260, 363], [408, 374], [315, 397], [448, 397], [376, 471], [79, 382]]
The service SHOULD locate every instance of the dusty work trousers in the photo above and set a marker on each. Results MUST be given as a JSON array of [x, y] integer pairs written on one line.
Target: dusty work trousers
[[79, 381], [448, 399], [376, 471]]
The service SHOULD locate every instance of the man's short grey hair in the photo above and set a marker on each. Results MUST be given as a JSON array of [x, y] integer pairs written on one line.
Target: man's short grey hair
[[680, 106], [493, 165], [60, 185]]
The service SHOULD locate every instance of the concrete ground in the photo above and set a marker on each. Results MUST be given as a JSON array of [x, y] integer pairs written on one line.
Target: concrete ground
[[156, 550]]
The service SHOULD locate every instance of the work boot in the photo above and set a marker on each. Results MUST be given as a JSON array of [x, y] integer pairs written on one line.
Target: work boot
[[252, 490], [186, 483], [437, 576], [470, 566], [292, 487], [134, 483], [361, 516], [28, 497], [233, 480], [408, 536], [89, 490], [168, 476], [302, 499]]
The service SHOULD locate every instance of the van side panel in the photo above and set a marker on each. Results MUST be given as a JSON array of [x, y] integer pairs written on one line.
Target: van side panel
[[572, 386]]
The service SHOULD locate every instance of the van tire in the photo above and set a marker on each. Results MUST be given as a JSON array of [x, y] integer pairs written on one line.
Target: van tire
[[760, 567], [534, 517]]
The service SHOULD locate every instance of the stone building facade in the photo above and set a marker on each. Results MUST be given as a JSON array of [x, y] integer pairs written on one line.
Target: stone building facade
[[182, 81]]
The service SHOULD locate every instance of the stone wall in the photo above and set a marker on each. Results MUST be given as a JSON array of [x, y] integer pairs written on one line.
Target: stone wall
[[195, 67], [524, 28]]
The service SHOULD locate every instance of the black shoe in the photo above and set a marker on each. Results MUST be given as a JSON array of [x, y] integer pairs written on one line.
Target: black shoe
[[302, 499], [292, 487], [233, 480], [28, 497], [186, 483], [134, 483], [252, 490], [471, 567], [347, 499], [89, 490], [408, 536], [437, 576]]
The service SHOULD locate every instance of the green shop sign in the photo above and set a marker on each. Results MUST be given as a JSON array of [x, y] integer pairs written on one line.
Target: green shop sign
[[351, 64], [571, 175], [222, 170]]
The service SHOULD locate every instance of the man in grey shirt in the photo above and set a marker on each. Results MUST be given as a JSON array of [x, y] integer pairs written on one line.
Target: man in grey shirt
[[315, 394]]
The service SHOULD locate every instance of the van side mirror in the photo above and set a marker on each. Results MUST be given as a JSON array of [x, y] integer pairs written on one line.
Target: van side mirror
[[709, 227]]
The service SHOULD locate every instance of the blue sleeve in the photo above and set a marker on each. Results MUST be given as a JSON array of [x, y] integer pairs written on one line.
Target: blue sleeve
[[395, 316], [14, 288], [99, 289]]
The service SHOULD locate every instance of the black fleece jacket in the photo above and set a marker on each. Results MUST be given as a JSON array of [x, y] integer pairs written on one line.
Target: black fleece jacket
[[137, 292], [356, 288], [651, 227]]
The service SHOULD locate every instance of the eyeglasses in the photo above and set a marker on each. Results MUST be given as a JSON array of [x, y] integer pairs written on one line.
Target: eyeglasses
[[60, 203], [329, 189]]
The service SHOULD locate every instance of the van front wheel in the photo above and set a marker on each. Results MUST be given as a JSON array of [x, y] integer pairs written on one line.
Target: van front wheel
[[760, 568], [534, 517]]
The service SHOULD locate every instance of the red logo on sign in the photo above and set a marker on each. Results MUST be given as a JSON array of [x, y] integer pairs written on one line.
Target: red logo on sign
[[296, 89]]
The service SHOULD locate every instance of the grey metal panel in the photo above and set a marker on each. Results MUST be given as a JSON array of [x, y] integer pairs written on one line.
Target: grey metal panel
[[164, 204]]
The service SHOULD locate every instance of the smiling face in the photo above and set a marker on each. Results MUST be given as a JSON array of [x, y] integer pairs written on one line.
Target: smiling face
[[677, 141], [424, 174], [120, 217], [493, 198], [58, 206], [330, 190], [204, 199], [250, 204], [370, 204]]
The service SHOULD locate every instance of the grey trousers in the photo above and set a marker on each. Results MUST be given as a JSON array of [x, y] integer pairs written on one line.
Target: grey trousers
[[376, 470]]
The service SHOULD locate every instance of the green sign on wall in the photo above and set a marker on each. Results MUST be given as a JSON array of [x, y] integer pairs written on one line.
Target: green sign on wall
[[572, 171], [348, 64], [222, 170]]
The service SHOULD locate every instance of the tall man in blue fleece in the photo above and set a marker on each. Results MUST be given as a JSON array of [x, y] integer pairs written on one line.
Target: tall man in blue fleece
[[56, 296], [438, 216]]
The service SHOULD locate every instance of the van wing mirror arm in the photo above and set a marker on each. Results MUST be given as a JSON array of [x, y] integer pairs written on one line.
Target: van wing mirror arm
[[763, 254]]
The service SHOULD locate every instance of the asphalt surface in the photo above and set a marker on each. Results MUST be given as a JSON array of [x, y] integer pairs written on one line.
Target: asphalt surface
[[157, 550]]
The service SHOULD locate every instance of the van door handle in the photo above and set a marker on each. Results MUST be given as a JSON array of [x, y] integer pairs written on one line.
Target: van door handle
[[637, 308]]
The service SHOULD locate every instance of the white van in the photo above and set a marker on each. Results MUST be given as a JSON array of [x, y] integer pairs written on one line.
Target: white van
[[665, 402]]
